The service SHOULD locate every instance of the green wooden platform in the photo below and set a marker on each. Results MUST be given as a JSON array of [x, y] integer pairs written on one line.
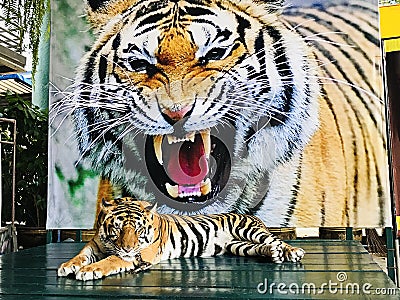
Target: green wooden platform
[[31, 274]]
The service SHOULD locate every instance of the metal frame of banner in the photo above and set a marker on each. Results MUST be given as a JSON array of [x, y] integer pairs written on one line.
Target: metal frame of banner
[[14, 143], [11, 230], [390, 35]]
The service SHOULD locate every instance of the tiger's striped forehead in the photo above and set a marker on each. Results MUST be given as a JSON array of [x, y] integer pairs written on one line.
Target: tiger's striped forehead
[[126, 212], [170, 33]]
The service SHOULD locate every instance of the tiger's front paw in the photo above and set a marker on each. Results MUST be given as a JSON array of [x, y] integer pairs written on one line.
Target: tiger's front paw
[[90, 273], [70, 267]]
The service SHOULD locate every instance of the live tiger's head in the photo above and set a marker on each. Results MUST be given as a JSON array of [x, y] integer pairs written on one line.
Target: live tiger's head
[[125, 227], [194, 103]]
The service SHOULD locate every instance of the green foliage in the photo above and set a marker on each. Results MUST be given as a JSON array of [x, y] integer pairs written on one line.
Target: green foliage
[[76, 185], [27, 16], [31, 161]]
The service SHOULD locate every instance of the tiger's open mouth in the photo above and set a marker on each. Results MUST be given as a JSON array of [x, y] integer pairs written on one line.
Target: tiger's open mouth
[[192, 168]]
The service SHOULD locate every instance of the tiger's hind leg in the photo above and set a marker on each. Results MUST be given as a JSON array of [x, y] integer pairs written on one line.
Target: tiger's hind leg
[[252, 238], [277, 250]]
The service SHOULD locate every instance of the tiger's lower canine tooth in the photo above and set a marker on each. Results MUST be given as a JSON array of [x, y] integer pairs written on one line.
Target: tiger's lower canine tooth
[[157, 140], [191, 136], [173, 190], [205, 187], [206, 137]]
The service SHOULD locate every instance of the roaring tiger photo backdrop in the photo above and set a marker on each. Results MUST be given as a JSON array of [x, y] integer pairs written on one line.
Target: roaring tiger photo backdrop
[[270, 108]]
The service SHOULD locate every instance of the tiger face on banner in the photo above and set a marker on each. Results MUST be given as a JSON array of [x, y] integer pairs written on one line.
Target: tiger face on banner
[[208, 106]]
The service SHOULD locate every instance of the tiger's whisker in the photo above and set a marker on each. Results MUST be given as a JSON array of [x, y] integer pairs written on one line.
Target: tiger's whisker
[[96, 140], [335, 81]]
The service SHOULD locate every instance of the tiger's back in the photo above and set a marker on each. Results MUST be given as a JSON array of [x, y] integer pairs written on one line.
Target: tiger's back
[[208, 235]]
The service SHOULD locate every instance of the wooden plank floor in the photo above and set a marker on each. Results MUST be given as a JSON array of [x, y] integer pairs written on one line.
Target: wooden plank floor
[[344, 265]]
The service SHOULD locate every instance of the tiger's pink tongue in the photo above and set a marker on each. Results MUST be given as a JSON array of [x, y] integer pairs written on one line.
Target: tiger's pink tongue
[[188, 164]]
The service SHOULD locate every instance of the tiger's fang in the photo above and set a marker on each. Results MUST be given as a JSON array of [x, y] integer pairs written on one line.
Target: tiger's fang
[[206, 137], [173, 190], [157, 140]]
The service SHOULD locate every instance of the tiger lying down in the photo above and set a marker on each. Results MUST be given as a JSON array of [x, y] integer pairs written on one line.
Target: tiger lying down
[[132, 236]]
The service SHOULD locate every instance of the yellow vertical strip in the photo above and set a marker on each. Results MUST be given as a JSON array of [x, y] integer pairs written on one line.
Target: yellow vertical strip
[[398, 222], [392, 45], [390, 21]]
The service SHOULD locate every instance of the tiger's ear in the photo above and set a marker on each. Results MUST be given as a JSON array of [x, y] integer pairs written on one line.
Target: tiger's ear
[[152, 211], [105, 207], [107, 204], [152, 207], [99, 12]]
